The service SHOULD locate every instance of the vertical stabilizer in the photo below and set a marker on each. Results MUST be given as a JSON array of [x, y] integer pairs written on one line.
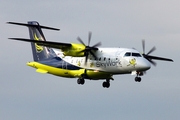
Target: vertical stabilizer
[[39, 52]]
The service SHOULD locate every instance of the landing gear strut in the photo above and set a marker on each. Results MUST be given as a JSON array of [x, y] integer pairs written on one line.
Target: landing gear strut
[[106, 84], [81, 81]]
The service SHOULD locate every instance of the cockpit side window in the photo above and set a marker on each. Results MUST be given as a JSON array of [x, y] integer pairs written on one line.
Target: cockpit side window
[[127, 54], [136, 55]]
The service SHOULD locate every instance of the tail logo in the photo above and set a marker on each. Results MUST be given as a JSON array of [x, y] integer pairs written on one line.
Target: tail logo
[[38, 48]]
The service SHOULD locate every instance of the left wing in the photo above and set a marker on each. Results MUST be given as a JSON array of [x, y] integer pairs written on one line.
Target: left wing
[[68, 49], [56, 45]]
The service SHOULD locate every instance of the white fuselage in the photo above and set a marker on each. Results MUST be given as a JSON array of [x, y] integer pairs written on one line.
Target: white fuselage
[[113, 60]]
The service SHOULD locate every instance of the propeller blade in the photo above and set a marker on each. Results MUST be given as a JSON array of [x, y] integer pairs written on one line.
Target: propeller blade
[[97, 45], [159, 58], [152, 50], [86, 57], [79, 39], [143, 45], [152, 62], [89, 38], [93, 55], [150, 58]]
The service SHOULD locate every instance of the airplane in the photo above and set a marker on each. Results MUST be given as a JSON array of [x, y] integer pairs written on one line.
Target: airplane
[[81, 61]]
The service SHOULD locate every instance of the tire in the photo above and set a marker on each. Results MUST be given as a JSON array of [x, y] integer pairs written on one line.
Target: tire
[[106, 84]]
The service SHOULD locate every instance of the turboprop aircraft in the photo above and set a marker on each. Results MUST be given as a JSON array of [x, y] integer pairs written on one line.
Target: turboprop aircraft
[[77, 60]]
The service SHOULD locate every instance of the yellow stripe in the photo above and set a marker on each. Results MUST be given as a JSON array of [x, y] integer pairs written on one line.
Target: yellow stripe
[[56, 71], [41, 68]]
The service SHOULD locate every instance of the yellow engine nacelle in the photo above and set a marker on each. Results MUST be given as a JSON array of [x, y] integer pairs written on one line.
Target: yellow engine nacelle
[[76, 50]]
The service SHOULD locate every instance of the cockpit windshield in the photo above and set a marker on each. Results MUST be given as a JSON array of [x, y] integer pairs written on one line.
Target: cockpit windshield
[[127, 54], [136, 55], [132, 54]]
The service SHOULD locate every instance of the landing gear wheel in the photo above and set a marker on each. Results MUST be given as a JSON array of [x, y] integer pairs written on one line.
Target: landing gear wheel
[[138, 79], [80, 81], [106, 84]]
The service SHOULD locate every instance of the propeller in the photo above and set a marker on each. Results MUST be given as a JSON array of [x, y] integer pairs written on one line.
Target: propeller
[[150, 58], [89, 49]]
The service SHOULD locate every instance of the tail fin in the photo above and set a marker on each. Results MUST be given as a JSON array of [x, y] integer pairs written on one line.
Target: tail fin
[[35, 33], [39, 52]]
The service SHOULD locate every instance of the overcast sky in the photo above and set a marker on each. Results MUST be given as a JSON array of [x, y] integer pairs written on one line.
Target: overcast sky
[[27, 95]]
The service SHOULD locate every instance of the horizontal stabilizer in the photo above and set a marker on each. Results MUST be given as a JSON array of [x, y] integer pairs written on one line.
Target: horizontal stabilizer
[[41, 71], [33, 25], [56, 45]]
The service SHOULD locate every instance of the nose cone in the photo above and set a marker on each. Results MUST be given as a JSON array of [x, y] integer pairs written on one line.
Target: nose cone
[[144, 64]]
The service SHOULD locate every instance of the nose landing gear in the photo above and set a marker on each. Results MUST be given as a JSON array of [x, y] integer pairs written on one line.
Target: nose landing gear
[[137, 78]]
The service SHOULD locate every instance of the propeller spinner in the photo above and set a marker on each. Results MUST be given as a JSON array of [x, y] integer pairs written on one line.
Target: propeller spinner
[[150, 58]]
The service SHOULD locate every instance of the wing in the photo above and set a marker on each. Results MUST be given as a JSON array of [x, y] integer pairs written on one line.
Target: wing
[[50, 44], [68, 49]]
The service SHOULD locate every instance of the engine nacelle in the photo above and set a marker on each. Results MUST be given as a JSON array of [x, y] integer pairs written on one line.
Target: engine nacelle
[[76, 50]]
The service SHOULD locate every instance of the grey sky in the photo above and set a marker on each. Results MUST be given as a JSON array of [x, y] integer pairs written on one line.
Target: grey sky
[[25, 94]]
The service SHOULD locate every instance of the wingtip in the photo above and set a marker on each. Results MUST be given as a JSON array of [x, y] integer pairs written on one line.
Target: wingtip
[[8, 22], [12, 38]]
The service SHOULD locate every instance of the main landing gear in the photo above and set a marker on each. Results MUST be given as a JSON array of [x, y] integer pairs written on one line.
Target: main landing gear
[[106, 84], [81, 81]]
